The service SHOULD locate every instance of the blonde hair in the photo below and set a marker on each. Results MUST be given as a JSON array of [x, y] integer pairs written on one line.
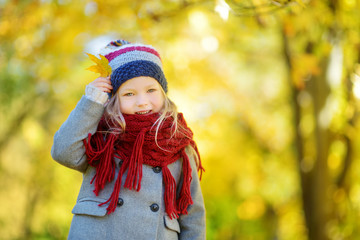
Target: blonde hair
[[114, 115]]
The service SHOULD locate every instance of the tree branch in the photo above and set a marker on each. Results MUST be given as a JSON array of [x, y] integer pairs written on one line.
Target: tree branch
[[241, 10]]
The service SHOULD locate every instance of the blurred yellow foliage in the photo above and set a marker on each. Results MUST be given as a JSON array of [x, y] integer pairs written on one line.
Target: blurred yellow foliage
[[277, 138]]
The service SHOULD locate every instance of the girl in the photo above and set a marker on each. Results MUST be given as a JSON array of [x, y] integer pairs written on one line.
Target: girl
[[139, 162]]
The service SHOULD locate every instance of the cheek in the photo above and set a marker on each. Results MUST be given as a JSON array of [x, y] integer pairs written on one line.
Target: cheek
[[125, 105], [159, 102]]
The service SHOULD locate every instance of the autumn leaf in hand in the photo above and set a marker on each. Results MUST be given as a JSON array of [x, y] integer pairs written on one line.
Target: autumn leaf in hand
[[102, 65]]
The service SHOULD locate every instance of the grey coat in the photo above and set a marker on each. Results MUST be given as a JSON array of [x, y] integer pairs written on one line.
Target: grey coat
[[139, 215]]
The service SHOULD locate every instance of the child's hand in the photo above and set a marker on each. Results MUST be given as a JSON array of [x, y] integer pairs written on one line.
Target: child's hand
[[103, 84]]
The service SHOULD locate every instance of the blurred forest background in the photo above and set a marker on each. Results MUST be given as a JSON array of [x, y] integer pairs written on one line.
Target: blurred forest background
[[270, 88]]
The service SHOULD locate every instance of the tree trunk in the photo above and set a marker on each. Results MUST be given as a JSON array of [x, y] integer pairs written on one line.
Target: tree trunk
[[318, 192], [314, 183]]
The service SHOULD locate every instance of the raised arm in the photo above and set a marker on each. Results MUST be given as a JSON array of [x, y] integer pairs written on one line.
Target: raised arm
[[68, 148]]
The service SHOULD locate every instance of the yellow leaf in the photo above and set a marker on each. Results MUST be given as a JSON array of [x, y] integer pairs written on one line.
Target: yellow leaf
[[94, 68], [102, 65]]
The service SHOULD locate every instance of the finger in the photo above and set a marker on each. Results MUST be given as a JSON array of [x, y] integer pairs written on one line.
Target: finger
[[103, 89], [103, 79], [99, 82], [102, 84]]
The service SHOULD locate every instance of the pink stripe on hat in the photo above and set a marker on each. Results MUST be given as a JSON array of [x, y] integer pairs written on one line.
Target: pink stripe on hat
[[113, 55]]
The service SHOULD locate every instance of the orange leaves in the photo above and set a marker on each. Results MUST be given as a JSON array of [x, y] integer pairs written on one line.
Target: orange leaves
[[102, 65]]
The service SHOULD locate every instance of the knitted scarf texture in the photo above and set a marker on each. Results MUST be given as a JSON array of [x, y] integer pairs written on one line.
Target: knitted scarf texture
[[137, 146]]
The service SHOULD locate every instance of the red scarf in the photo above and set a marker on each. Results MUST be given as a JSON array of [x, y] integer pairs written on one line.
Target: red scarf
[[137, 146]]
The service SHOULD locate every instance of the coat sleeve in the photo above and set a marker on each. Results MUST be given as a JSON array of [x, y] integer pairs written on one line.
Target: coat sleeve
[[192, 225], [68, 148]]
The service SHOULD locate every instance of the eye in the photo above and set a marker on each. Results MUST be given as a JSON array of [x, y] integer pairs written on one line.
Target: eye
[[151, 90], [128, 94]]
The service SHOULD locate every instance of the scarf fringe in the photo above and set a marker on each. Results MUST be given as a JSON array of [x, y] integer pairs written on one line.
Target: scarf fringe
[[134, 176], [170, 193], [185, 194], [115, 194], [200, 167], [102, 159]]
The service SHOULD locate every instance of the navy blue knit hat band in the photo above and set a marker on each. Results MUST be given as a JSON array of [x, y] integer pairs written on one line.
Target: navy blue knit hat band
[[137, 69]]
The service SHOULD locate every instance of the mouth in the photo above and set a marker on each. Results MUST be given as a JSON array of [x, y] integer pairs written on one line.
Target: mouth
[[143, 112]]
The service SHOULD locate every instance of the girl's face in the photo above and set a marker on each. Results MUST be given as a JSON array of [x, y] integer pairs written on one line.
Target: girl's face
[[141, 95]]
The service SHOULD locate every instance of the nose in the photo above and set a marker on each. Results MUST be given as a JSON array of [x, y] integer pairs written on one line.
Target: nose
[[142, 100]]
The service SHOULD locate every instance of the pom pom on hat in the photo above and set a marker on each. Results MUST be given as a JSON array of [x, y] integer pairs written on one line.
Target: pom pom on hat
[[128, 60]]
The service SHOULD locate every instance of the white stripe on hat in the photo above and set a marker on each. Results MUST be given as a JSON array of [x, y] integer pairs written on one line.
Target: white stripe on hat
[[109, 49], [134, 56]]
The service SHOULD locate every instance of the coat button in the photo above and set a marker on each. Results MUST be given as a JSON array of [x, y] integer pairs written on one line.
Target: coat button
[[157, 169], [154, 207], [120, 202]]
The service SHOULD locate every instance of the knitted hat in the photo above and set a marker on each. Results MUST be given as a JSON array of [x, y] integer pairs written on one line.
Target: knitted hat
[[129, 60]]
